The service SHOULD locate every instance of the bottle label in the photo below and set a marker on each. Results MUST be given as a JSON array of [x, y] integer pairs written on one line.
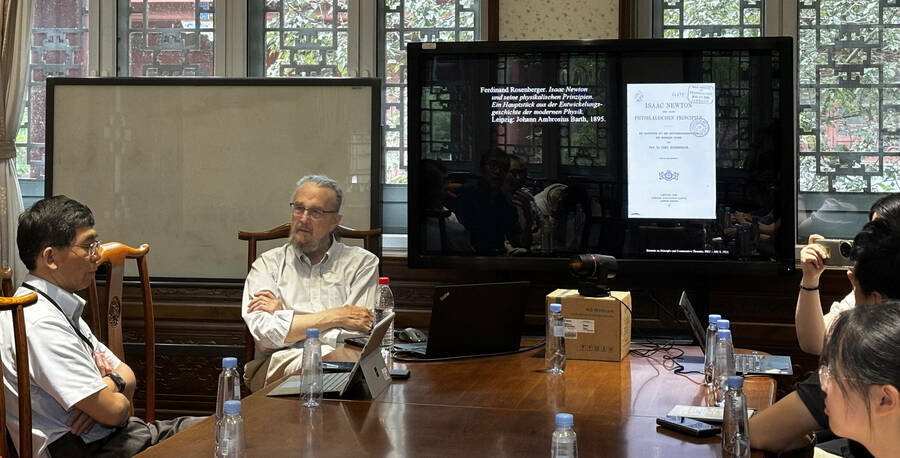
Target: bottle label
[[559, 331]]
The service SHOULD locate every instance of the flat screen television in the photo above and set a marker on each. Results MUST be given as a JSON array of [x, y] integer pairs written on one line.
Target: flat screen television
[[667, 154]]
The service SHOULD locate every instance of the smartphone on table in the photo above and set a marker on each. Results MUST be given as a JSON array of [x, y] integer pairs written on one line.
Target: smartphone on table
[[688, 426]]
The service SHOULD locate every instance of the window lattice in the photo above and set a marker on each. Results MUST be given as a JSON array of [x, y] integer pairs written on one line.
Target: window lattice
[[705, 18], [585, 144], [306, 38], [525, 140], [167, 38], [401, 22], [438, 129], [59, 48], [849, 96]]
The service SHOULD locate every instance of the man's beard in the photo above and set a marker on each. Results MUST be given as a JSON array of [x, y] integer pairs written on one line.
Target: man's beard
[[309, 246]]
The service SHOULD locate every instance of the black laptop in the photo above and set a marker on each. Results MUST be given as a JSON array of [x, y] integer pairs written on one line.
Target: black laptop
[[745, 364], [469, 320]]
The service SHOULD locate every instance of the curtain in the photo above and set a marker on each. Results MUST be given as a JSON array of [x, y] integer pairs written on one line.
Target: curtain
[[15, 41]]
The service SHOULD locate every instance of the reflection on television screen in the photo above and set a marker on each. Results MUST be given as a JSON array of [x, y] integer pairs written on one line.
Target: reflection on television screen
[[672, 150]]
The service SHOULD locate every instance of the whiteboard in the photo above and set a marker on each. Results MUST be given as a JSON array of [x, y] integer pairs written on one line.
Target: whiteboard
[[183, 164]]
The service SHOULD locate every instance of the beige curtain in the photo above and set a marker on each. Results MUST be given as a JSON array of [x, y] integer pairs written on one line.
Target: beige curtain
[[15, 41]]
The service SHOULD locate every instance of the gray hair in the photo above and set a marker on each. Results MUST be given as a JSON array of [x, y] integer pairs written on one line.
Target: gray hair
[[322, 181]]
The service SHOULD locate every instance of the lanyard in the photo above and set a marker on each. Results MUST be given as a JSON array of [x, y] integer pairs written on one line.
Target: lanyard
[[77, 331]]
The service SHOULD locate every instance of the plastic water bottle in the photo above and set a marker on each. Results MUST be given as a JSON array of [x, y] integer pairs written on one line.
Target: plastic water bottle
[[564, 443], [555, 354], [311, 370], [229, 389], [383, 308], [724, 366], [735, 435], [709, 356], [232, 444]]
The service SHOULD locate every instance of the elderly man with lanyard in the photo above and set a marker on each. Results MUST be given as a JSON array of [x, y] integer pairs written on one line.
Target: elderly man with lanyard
[[81, 394], [312, 281]]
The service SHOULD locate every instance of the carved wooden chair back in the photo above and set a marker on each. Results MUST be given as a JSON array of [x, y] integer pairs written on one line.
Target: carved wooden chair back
[[107, 316], [16, 306], [6, 285]]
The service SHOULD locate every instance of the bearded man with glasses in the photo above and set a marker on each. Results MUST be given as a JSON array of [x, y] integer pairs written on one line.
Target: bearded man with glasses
[[312, 281]]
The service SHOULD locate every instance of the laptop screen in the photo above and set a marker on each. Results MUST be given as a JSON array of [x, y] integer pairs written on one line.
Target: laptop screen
[[476, 319], [696, 325]]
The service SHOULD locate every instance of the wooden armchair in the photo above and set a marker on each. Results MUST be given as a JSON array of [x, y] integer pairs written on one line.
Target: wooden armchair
[[6, 285], [114, 255], [16, 306], [369, 238]]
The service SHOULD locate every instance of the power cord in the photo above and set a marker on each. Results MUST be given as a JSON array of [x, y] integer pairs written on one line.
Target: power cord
[[398, 354]]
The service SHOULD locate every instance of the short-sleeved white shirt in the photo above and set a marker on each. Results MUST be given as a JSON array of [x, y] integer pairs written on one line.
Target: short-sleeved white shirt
[[847, 303], [62, 366]]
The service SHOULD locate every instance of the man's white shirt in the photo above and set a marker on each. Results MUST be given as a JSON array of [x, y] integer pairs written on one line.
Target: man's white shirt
[[63, 371], [347, 275]]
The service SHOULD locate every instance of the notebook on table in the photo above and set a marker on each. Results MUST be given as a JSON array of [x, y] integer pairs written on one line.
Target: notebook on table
[[476, 319], [711, 414], [367, 379], [744, 364]]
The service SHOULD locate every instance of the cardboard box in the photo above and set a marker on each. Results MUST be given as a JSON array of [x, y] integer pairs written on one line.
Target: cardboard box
[[597, 328]]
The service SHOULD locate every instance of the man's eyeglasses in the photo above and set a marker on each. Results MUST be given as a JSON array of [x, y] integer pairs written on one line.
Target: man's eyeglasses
[[314, 213], [92, 248]]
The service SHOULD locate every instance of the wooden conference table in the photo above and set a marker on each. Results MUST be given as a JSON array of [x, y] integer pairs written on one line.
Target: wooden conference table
[[499, 406]]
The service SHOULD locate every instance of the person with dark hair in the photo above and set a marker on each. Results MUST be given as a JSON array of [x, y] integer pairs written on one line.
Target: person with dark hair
[[521, 197], [860, 374], [875, 277], [886, 207], [81, 393], [484, 209]]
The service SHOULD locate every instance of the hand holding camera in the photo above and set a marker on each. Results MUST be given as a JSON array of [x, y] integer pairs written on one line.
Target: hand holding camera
[[838, 251], [822, 252]]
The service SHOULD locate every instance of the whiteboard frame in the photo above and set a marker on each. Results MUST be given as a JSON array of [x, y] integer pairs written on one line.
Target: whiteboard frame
[[375, 210]]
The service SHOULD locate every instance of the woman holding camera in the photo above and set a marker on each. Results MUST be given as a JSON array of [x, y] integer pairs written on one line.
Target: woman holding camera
[[809, 321], [786, 425]]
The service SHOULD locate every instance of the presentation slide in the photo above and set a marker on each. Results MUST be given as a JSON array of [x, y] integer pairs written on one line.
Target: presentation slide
[[671, 150]]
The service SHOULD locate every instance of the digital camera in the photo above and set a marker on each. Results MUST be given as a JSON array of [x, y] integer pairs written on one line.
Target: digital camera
[[838, 251]]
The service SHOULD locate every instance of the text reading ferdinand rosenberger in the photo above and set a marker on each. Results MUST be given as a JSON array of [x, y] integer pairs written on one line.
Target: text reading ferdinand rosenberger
[[571, 104]]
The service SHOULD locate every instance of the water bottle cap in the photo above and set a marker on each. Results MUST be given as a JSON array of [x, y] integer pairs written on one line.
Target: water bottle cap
[[232, 407], [735, 381], [229, 363], [554, 307], [724, 334], [713, 317], [723, 324], [564, 420], [384, 281], [312, 333]]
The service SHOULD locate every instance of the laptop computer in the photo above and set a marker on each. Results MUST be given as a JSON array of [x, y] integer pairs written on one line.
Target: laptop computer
[[473, 319], [743, 363], [367, 380]]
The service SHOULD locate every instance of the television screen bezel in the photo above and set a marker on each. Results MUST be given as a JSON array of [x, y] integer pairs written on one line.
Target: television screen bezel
[[416, 52]]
